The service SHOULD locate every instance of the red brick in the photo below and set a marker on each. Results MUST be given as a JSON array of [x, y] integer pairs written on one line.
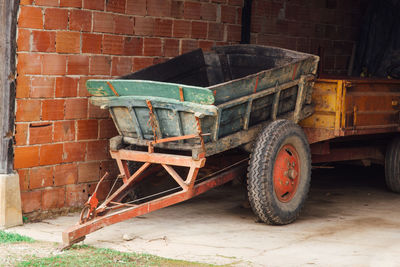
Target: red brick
[[117, 6], [77, 194], [103, 22], [133, 46], [141, 63], [54, 64], [107, 129], [40, 177], [31, 201], [23, 179], [171, 47], [42, 87], [46, 2], [113, 45], [29, 64], [53, 198], [56, 19], [215, 31], [181, 29], [234, 33], [206, 45], [23, 41], [158, 8], [71, 3], [100, 65], [51, 154], [159, 60], [192, 10], [26, 157], [28, 110], [121, 66], [189, 45], [97, 150], [68, 42], [208, 11], [199, 30], [21, 134], [88, 172], [96, 5], [65, 174], [163, 27], [123, 25], [78, 65], [152, 47], [76, 108], [80, 20], [109, 166], [144, 26], [91, 43], [95, 112], [30, 17], [64, 131], [66, 87], [239, 16], [23, 86], [74, 152], [53, 109], [43, 41], [87, 129], [177, 9], [235, 2], [219, 1], [40, 133], [137, 7], [82, 92], [25, 2], [228, 14]]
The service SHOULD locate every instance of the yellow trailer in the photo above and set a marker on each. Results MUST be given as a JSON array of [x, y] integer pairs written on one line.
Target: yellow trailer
[[356, 119]]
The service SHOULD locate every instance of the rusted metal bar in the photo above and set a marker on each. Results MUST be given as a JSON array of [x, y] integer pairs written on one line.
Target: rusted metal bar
[[350, 153], [78, 232], [158, 158]]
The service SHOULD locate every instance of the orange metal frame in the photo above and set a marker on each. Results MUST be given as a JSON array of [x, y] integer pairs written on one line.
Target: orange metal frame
[[112, 210]]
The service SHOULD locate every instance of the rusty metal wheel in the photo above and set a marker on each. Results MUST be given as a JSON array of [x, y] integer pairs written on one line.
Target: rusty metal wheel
[[279, 173], [286, 173], [86, 214]]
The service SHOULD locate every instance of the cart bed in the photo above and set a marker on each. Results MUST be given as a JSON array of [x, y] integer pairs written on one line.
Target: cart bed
[[227, 94]]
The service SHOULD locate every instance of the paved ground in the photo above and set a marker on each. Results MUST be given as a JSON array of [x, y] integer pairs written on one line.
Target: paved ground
[[349, 220]]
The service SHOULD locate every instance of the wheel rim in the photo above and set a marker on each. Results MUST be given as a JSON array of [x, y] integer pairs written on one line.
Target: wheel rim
[[286, 173]]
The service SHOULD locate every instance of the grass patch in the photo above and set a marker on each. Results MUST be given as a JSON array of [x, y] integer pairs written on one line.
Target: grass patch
[[13, 238], [90, 256]]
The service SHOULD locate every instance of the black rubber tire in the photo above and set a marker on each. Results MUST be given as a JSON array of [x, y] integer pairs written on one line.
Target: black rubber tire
[[392, 165], [263, 200]]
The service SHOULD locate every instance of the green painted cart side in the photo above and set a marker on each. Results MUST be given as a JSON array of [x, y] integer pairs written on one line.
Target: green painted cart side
[[230, 112]]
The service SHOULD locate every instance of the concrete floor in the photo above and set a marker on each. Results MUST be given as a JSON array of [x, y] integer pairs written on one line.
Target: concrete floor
[[349, 220]]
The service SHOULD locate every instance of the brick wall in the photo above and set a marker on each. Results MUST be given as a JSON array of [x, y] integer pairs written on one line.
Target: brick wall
[[307, 25], [61, 140]]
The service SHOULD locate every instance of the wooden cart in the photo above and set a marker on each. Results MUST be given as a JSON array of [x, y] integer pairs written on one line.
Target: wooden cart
[[203, 104]]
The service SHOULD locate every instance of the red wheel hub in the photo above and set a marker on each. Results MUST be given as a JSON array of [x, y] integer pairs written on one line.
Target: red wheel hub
[[286, 173]]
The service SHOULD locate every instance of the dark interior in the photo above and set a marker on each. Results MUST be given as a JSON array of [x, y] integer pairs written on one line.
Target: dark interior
[[223, 64]]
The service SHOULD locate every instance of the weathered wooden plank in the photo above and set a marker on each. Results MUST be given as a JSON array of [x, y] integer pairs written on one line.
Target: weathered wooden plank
[[157, 102], [193, 94]]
